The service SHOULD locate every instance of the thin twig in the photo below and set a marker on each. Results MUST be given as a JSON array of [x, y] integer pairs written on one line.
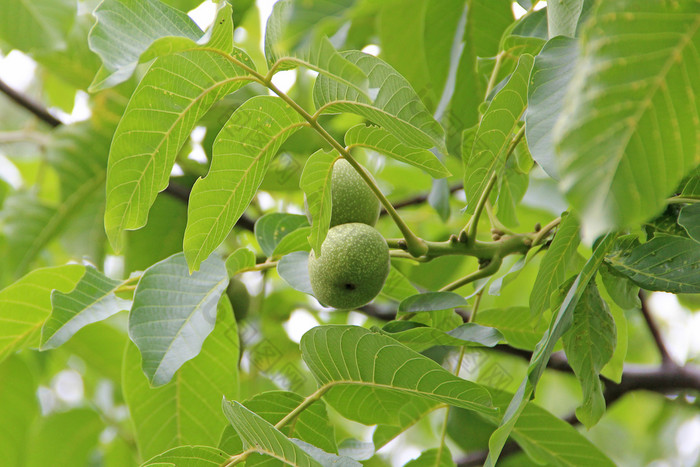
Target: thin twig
[[32, 106], [666, 359], [418, 199]]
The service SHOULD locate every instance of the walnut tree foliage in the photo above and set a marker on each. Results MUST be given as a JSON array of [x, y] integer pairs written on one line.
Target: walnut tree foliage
[[538, 168]]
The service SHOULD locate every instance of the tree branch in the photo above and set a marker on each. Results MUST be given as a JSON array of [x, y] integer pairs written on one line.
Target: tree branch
[[23, 101], [666, 359], [183, 194], [663, 380], [418, 199]]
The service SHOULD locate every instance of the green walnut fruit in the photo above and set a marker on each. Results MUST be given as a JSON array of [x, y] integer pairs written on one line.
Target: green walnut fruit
[[352, 267], [352, 199], [239, 297]]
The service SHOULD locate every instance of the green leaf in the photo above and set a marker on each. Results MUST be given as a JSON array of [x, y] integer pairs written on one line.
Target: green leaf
[[397, 286], [419, 337], [324, 458], [380, 140], [311, 426], [560, 323], [436, 457], [374, 379], [27, 224], [242, 154], [35, 25], [552, 272], [187, 409], [264, 438], [624, 136], [562, 17], [65, 439], [271, 228], [78, 154], [19, 406], [692, 186], [241, 259], [109, 339], [174, 94], [189, 302], [396, 106], [160, 238], [293, 24], [499, 123], [490, 19], [91, 300], [75, 65], [623, 292], [316, 184], [589, 345], [294, 269], [516, 324], [551, 74], [511, 189], [189, 456], [354, 449], [316, 54], [666, 263], [417, 39], [295, 241], [26, 304], [463, 108], [431, 301], [125, 29], [689, 218], [549, 440]]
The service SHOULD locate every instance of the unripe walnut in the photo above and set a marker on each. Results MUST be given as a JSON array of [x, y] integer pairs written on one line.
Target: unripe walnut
[[352, 267]]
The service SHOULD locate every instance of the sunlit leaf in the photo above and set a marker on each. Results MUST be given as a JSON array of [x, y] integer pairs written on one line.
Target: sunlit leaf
[[189, 456], [242, 154], [173, 95], [91, 300], [499, 123], [380, 140], [394, 106], [297, 240], [264, 438], [316, 183], [240, 259], [374, 379], [26, 304], [271, 228]]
